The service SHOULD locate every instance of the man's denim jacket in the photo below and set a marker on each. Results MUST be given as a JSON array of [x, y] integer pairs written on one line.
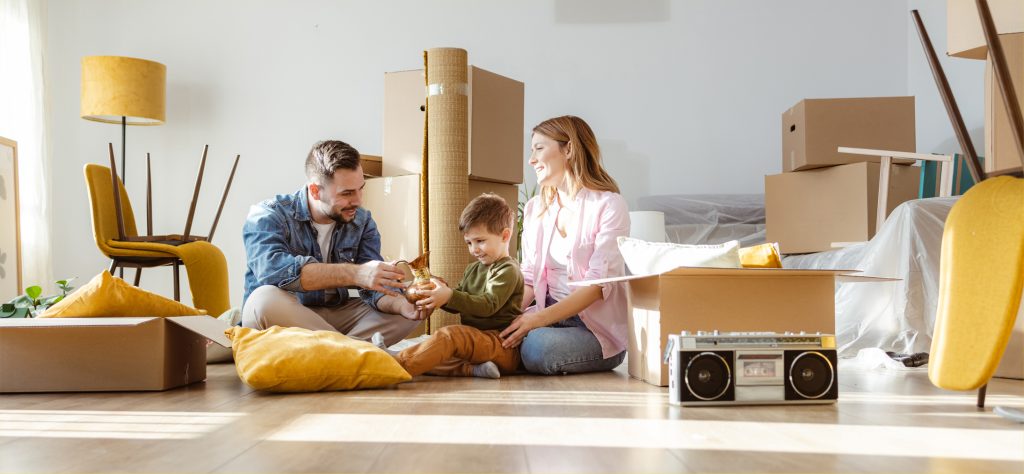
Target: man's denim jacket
[[280, 239]]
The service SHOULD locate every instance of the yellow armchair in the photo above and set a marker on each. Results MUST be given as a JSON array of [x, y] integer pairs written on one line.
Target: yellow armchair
[[204, 262]]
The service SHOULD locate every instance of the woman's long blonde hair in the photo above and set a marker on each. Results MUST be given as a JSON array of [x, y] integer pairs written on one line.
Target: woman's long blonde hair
[[583, 169]]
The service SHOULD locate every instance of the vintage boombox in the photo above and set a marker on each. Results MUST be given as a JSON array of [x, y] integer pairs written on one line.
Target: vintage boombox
[[751, 368]]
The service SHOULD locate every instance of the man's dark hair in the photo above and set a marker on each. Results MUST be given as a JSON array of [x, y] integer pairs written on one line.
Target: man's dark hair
[[328, 156], [490, 210]]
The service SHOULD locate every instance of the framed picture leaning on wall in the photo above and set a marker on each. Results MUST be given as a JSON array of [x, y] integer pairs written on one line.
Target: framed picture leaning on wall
[[10, 234]]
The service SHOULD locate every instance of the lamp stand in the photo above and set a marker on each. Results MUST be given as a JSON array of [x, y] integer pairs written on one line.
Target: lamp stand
[[124, 125], [124, 175]]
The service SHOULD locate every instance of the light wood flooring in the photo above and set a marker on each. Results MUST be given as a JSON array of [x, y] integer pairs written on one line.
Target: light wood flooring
[[884, 422]]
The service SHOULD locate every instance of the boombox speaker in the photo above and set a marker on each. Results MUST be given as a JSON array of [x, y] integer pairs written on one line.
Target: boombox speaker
[[752, 369]]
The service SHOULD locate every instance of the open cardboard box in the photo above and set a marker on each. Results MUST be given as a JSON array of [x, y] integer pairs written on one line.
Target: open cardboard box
[[726, 299], [105, 354]]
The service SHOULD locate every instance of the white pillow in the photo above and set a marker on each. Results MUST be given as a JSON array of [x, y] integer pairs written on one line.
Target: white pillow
[[649, 258]]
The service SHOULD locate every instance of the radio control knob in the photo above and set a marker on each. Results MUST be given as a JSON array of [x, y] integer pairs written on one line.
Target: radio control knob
[[803, 333], [700, 333], [686, 333], [714, 333], [787, 333]]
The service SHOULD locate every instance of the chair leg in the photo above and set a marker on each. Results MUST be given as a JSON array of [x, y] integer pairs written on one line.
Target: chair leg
[[177, 289], [113, 266], [981, 396], [138, 275]]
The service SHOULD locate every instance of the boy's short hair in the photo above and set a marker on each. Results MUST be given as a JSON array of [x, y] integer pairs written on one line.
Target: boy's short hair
[[490, 210]]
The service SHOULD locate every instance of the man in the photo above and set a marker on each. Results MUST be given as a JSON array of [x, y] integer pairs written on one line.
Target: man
[[305, 250]]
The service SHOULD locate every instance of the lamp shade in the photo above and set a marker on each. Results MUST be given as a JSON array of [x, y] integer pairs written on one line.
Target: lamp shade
[[116, 86]]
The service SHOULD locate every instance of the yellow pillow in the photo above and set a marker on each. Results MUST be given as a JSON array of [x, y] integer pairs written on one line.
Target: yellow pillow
[[108, 296], [760, 256], [299, 360]]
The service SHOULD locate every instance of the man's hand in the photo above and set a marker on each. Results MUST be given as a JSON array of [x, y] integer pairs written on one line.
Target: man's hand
[[379, 276], [437, 297], [413, 312], [513, 335]]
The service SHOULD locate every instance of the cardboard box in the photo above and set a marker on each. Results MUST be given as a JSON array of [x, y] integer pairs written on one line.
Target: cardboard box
[[394, 203], [964, 38], [813, 129], [1011, 366], [496, 127], [372, 166], [808, 210], [105, 354], [724, 299], [1000, 148]]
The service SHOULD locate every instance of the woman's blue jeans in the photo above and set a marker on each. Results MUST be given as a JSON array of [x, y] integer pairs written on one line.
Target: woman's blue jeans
[[566, 347]]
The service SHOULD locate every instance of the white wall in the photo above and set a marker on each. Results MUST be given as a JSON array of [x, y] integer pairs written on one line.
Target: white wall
[[685, 96]]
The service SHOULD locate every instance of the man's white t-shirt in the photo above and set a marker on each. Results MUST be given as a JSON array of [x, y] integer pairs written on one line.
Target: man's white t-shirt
[[323, 237]]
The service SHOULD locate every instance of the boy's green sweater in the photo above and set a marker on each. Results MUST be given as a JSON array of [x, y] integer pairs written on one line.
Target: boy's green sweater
[[489, 296]]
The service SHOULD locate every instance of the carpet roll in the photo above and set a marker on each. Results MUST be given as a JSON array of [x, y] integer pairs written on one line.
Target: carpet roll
[[447, 166]]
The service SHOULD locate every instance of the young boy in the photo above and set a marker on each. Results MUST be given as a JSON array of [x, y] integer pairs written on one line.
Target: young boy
[[488, 299]]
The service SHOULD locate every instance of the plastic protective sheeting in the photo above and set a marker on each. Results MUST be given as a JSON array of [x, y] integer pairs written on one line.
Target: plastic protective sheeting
[[706, 208], [711, 234], [871, 358], [707, 219], [894, 316]]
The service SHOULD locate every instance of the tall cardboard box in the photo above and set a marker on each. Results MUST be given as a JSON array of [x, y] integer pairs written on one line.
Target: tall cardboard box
[[808, 210], [723, 299], [394, 203], [813, 129], [372, 166], [496, 125], [105, 354], [964, 37], [1000, 148]]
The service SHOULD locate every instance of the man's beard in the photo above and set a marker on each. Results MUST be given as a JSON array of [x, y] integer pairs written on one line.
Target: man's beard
[[338, 217]]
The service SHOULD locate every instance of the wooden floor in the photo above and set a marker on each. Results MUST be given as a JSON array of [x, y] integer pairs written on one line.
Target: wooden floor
[[884, 421]]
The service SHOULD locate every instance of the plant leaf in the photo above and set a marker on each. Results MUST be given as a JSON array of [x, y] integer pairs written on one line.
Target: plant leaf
[[22, 301], [33, 292], [65, 285]]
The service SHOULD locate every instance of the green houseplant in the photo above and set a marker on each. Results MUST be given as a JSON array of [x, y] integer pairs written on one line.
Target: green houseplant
[[32, 303]]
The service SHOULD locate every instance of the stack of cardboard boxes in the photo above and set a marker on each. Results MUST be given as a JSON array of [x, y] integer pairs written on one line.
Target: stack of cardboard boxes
[[495, 153], [1000, 149], [965, 39], [825, 197]]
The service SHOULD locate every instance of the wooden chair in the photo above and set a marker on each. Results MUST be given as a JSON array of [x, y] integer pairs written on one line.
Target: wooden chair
[[981, 273], [113, 221]]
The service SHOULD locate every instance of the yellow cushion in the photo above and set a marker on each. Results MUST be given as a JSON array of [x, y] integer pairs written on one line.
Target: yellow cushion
[[299, 360], [109, 296], [760, 256]]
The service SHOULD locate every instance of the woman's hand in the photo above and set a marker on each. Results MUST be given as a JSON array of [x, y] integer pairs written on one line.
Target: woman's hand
[[437, 297], [521, 326]]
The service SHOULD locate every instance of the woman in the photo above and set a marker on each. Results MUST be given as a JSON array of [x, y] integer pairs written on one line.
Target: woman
[[570, 233]]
